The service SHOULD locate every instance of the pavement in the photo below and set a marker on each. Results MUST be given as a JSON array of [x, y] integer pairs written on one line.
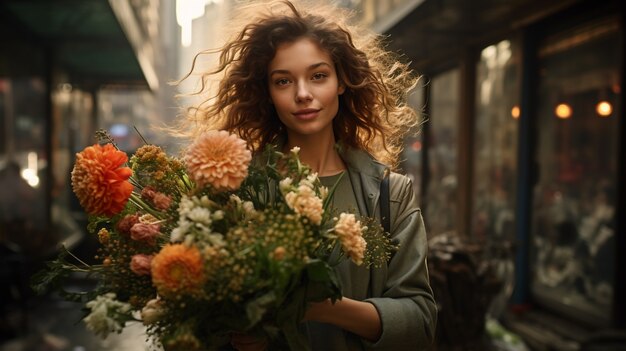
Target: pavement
[[51, 324]]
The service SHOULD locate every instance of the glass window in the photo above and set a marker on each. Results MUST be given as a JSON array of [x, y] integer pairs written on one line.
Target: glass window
[[23, 213], [411, 160], [120, 111], [72, 130], [495, 142], [442, 139], [573, 229]]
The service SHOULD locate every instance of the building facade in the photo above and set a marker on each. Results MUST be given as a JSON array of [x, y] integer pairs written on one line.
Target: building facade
[[524, 142]]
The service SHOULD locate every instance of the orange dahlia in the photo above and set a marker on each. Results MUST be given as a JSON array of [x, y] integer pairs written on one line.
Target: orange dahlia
[[218, 159], [178, 269], [99, 181]]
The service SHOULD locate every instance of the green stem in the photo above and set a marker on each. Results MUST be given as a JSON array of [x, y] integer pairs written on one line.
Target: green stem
[[141, 204]]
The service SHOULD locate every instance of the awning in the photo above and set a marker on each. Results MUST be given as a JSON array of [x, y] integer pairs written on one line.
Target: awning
[[85, 39]]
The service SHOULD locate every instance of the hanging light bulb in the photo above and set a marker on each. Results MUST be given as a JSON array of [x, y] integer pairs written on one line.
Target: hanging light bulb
[[563, 111], [515, 112], [604, 109]]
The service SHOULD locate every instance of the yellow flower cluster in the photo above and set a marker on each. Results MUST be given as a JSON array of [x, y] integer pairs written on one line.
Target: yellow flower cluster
[[349, 231], [305, 202]]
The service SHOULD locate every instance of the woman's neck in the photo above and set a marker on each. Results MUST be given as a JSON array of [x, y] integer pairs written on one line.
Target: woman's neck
[[319, 153]]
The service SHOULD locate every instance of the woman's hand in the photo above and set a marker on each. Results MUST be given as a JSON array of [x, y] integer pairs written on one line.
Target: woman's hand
[[246, 342], [358, 317]]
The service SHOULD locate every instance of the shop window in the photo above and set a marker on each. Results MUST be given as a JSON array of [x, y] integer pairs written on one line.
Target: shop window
[[72, 130], [411, 159], [574, 200], [121, 110], [441, 191], [495, 142], [23, 214]]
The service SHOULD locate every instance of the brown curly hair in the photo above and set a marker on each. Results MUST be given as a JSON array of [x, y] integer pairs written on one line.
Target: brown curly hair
[[373, 114]]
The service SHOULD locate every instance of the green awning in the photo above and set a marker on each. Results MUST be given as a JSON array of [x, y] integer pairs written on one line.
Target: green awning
[[84, 37]]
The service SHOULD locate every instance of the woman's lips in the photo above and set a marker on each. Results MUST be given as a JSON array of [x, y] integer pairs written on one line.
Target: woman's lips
[[306, 114]]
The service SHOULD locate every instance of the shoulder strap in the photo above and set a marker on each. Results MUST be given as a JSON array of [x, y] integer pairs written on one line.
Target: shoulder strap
[[385, 211]]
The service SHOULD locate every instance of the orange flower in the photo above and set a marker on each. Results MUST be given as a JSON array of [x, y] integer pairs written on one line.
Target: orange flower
[[99, 181], [218, 159], [178, 269]]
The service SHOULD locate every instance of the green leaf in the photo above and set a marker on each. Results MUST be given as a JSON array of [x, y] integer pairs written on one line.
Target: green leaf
[[257, 308], [322, 282]]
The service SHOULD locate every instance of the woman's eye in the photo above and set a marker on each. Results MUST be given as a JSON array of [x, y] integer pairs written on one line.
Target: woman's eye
[[281, 81], [318, 76]]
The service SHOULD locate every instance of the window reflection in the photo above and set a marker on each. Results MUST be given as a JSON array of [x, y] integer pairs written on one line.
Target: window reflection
[[574, 199], [495, 142], [23, 214], [441, 192], [412, 154]]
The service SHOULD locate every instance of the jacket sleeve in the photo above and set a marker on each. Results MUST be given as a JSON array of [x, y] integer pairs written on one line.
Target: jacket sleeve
[[406, 305]]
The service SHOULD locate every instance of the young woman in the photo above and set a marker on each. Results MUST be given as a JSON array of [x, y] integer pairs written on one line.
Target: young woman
[[302, 78]]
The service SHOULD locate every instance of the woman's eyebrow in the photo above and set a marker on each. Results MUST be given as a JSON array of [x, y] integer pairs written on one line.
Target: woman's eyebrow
[[311, 67]]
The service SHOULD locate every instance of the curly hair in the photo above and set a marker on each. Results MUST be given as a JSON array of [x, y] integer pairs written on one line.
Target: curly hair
[[373, 114]]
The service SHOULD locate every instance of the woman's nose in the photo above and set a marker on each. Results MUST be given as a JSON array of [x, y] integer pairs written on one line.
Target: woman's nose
[[303, 93]]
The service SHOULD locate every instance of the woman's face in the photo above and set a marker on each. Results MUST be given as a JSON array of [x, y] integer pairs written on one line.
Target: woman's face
[[304, 88]]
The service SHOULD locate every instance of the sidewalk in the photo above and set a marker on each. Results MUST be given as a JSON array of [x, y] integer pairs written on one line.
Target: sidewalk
[[56, 325]]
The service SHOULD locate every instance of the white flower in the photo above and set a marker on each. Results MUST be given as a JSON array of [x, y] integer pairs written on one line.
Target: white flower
[[306, 183], [216, 239], [234, 198], [248, 209], [218, 215], [323, 192], [107, 315], [204, 201], [285, 184], [312, 177], [200, 215], [152, 311], [295, 149]]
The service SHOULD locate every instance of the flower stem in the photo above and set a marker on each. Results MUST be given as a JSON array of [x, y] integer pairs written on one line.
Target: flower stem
[[144, 206]]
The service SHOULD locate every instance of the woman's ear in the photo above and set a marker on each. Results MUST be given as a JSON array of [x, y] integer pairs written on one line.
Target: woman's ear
[[341, 89]]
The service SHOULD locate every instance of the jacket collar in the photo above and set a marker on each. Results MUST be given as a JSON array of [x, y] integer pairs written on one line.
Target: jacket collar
[[366, 174]]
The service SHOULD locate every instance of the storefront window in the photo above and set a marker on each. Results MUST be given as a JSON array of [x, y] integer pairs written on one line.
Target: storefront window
[[441, 192], [573, 229], [72, 119], [411, 160], [121, 111], [23, 214], [495, 142]]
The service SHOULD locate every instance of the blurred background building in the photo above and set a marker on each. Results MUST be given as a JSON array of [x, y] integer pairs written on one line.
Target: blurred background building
[[524, 141]]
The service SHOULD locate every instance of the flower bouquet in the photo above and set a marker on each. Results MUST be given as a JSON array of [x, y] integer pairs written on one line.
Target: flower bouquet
[[212, 243]]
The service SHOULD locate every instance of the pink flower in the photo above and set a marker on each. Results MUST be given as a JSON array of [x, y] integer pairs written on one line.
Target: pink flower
[[140, 264], [161, 201], [147, 193], [218, 159], [146, 232], [124, 225]]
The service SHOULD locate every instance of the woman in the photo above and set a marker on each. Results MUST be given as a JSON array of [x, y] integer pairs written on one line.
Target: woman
[[302, 78]]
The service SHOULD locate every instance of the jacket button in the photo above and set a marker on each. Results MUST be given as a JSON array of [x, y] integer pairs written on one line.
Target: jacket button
[[370, 195]]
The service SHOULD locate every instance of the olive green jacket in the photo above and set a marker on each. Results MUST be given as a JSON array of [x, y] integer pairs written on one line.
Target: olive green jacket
[[400, 291]]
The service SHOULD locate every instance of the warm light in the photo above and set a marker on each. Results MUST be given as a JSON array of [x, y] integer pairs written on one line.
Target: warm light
[[515, 112], [186, 12], [563, 111], [416, 146], [604, 108], [30, 173]]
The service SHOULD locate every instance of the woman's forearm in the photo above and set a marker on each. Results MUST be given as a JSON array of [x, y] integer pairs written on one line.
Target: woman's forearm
[[358, 317]]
